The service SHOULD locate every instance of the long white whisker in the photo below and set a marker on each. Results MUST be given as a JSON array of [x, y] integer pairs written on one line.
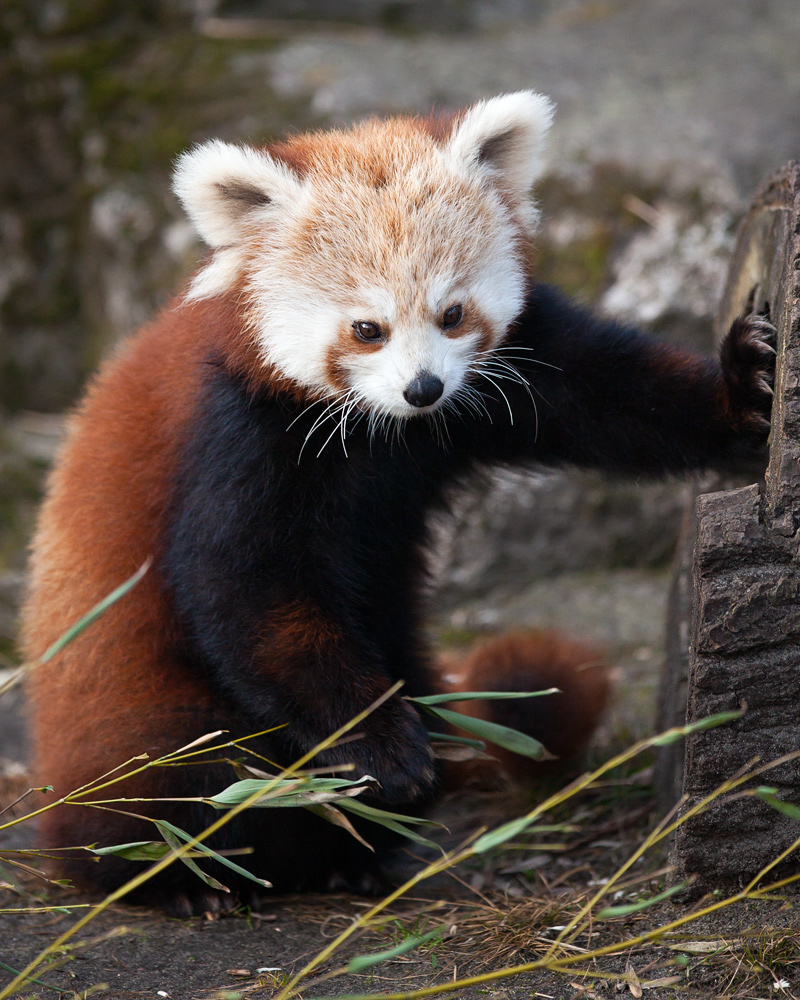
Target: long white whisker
[[514, 357], [510, 372], [474, 396], [359, 418], [322, 417], [385, 422], [435, 428], [306, 409], [510, 413], [513, 373], [339, 410], [445, 428], [318, 422], [462, 397], [335, 429], [342, 428], [395, 435], [515, 376], [346, 410], [371, 429], [346, 416]]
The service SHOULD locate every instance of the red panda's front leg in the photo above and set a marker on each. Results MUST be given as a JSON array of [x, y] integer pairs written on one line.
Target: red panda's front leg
[[605, 396], [318, 676], [305, 672]]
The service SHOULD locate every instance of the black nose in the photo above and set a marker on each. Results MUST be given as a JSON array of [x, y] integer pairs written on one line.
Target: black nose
[[424, 390]]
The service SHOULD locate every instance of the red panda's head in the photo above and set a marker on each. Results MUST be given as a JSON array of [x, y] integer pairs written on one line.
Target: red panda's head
[[377, 263]]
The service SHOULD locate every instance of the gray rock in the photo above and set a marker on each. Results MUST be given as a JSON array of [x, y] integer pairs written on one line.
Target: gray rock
[[515, 528], [702, 96]]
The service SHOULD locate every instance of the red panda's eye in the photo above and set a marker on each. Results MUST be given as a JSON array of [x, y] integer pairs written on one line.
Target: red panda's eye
[[370, 332], [451, 317]]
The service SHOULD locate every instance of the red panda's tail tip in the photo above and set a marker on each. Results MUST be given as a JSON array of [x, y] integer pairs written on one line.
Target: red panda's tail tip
[[535, 661]]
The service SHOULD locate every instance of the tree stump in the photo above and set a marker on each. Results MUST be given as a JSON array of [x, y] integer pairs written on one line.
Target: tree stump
[[734, 616]]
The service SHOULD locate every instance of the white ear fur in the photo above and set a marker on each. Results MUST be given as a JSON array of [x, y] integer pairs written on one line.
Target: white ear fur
[[222, 186], [506, 136]]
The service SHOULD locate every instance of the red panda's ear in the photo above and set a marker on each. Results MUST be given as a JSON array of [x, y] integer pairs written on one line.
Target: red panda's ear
[[224, 188], [504, 136]]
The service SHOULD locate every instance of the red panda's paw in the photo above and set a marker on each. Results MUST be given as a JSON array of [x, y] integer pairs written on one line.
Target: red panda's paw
[[362, 883], [393, 749], [195, 901], [747, 356]]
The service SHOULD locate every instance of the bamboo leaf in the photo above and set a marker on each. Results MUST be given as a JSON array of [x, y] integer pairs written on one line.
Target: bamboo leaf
[[439, 699], [451, 751], [246, 771], [673, 735], [290, 792], [770, 796], [391, 821], [362, 962], [176, 831], [502, 833], [167, 831], [493, 732], [95, 612], [137, 850], [293, 800], [335, 816], [30, 979], [373, 812], [706, 947], [452, 738], [624, 909], [241, 790]]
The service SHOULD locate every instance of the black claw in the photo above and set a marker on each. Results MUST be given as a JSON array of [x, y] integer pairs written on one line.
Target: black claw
[[748, 361]]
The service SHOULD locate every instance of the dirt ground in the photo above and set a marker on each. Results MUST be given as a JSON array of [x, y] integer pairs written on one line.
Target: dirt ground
[[502, 909], [139, 953], [202, 959]]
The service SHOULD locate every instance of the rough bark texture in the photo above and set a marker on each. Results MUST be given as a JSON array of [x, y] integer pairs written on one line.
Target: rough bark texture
[[745, 636], [672, 692]]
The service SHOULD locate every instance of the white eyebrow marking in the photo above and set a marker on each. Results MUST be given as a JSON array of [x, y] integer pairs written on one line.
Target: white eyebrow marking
[[374, 302]]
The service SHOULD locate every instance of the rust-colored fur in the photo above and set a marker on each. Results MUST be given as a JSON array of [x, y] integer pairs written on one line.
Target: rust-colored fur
[[113, 483]]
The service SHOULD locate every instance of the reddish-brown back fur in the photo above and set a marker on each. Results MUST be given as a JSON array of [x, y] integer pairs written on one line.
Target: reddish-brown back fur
[[113, 482]]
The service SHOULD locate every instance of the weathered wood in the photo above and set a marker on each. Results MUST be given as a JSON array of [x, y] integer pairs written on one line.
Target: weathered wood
[[672, 691], [745, 641]]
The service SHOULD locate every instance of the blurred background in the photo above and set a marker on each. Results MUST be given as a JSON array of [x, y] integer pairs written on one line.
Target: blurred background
[[669, 112]]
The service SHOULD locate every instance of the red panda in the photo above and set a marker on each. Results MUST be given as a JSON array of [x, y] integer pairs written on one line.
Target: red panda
[[364, 333]]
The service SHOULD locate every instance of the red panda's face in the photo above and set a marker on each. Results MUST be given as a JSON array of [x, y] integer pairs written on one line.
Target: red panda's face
[[380, 264]]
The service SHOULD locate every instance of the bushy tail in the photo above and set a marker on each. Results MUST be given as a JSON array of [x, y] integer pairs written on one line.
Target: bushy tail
[[533, 661]]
